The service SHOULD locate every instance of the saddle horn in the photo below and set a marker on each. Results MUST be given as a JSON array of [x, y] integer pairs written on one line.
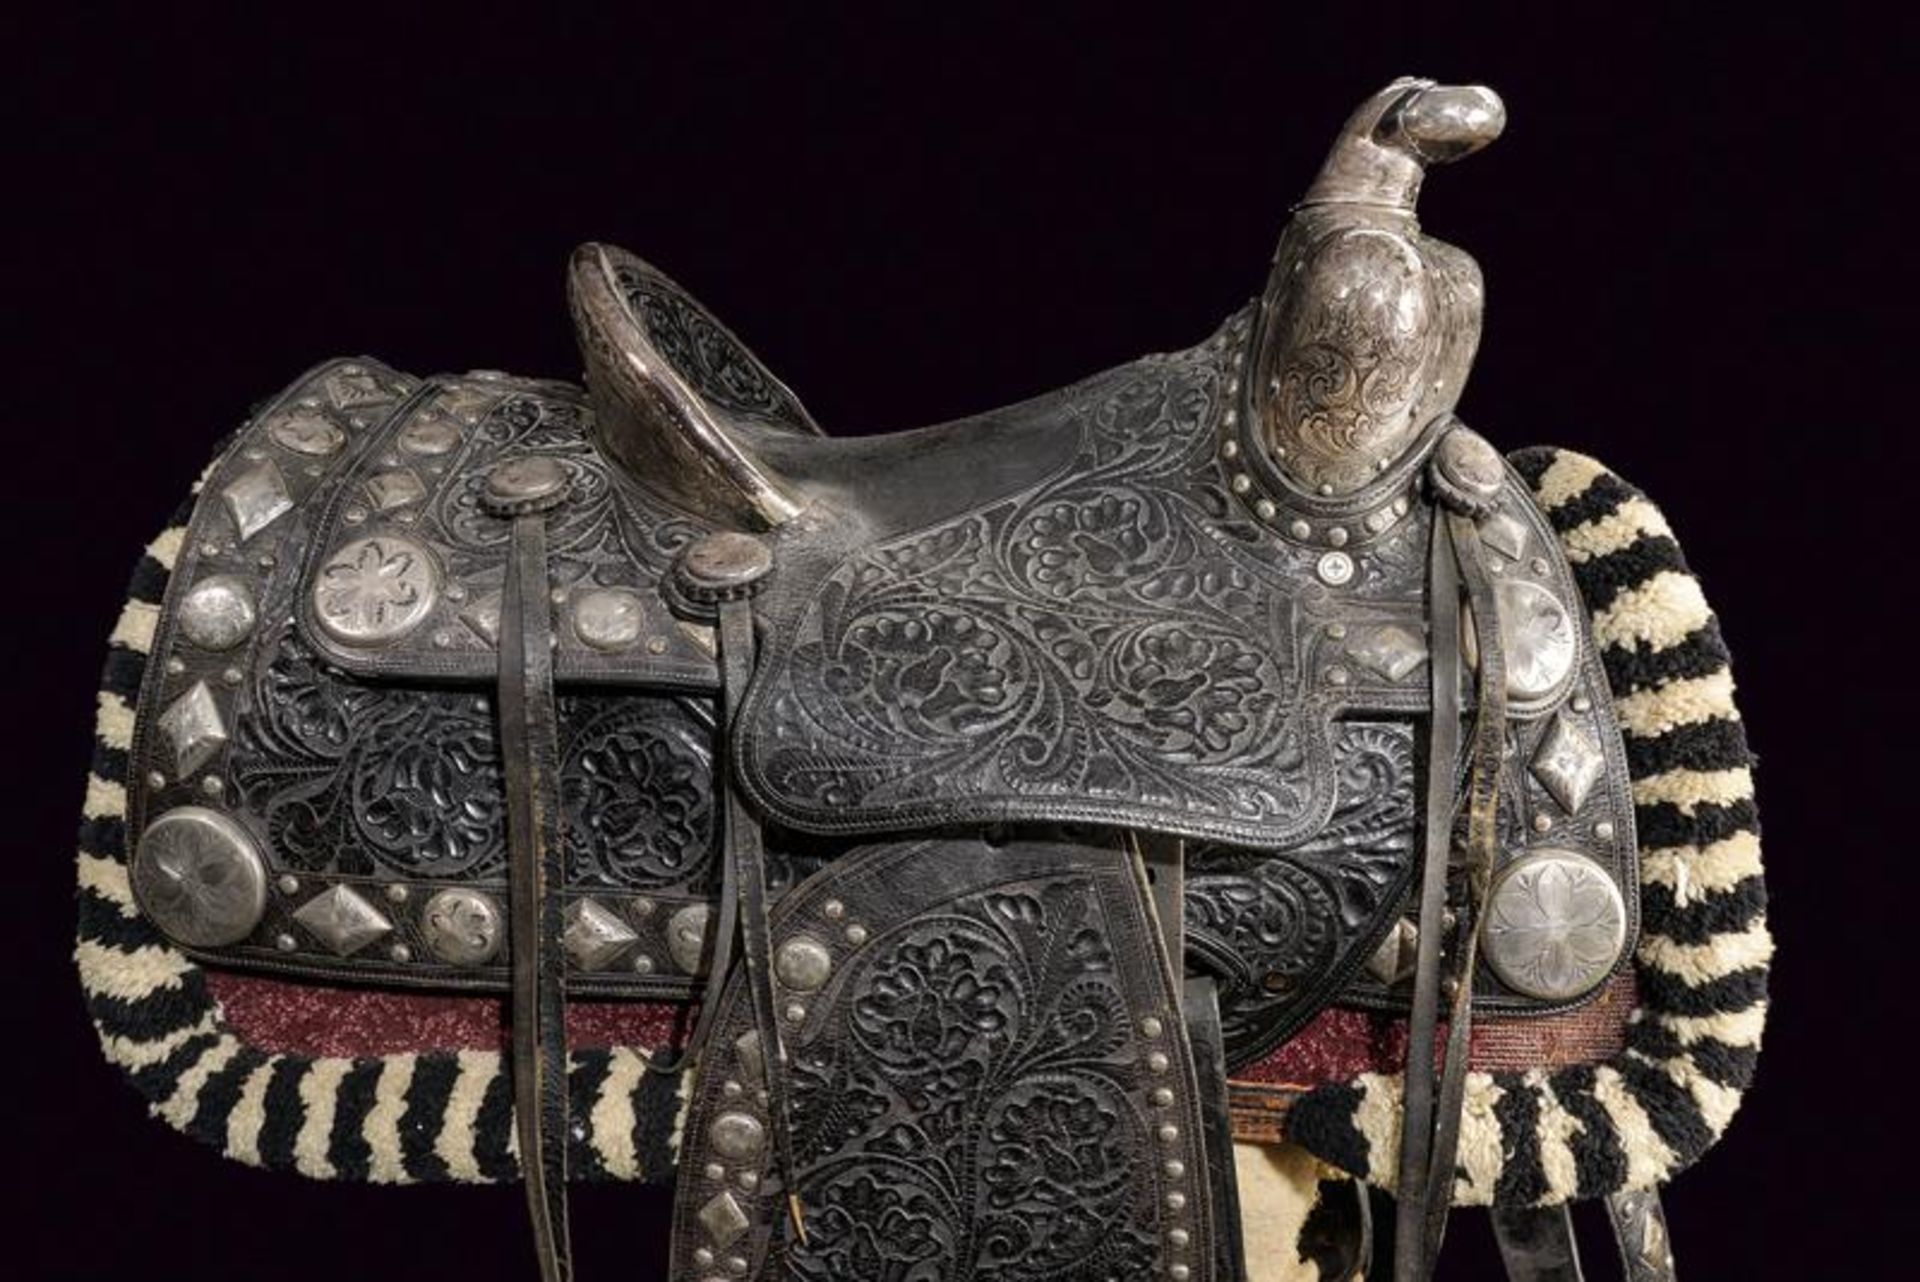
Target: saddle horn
[[1367, 326]]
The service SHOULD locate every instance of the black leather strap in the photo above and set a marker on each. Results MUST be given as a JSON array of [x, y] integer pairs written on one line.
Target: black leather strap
[[530, 749], [1200, 1003], [745, 852], [1537, 1243], [1430, 1119]]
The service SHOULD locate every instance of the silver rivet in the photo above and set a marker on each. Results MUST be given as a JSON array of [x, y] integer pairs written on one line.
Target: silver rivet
[[354, 515], [641, 907], [1176, 1201], [232, 676], [212, 786], [1543, 823], [1151, 1027], [1175, 1168], [1326, 490], [1337, 536], [1336, 630], [1169, 1134], [1158, 1062], [643, 965], [285, 943], [1581, 703], [1178, 1237], [1400, 506], [1231, 417], [289, 884], [456, 591], [1538, 565], [796, 1013], [731, 1089], [1264, 509], [1179, 1272], [703, 1257], [155, 779], [1162, 1096], [1496, 565], [1337, 675], [176, 665], [397, 893], [558, 596], [1300, 530], [400, 953], [1230, 450], [736, 1264], [1604, 830], [748, 1180], [1240, 483], [1450, 988], [209, 549], [715, 1171], [656, 645], [833, 910], [856, 934], [1335, 568]]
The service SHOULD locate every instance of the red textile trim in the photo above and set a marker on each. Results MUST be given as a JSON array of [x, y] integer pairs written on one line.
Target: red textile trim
[[285, 1017], [1338, 1045]]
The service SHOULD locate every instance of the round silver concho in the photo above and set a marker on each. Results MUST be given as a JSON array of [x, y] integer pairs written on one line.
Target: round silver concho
[[687, 937], [374, 591], [1536, 635], [462, 927], [429, 437], [609, 618], [307, 432], [803, 964], [724, 564], [1555, 925], [218, 613], [199, 877]]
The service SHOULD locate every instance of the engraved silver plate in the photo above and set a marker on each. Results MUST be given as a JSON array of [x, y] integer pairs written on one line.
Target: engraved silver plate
[[609, 618], [1568, 763], [687, 937], [199, 877], [193, 729], [218, 614], [351, 388], [1555, 925], [1537, 634], [398, 488], [1391, 651], [462, 927], [723, 1220], [595, 936], [736, 1136], [307, 432], [256, 499], [375, 590], [343, 920]]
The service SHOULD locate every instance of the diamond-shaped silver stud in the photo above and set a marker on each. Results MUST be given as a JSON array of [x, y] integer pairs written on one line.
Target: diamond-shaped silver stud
[[256, 499], [753, 1064], [723, 1220], [1394, 959], [193, 729], [1391, 651], [348, 390], [1505, 533], [1568, 763], [483, 616], [343, 920], [594, 935], [307, 432], [389, 490]]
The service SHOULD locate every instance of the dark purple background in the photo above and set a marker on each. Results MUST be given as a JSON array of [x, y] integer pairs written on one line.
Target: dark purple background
[[1698, 264]]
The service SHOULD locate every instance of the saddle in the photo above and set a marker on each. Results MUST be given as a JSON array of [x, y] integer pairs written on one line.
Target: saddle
[[1093, 839]]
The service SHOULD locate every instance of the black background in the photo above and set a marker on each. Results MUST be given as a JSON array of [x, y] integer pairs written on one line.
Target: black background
[[1699, 262]]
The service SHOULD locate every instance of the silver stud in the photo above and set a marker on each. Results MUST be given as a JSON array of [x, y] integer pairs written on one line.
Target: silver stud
[[1581, 703], [833, 910], [656, 645], [285, 943], [1158, 1062], [736, 1264], [1179, 1272], [803, 964], [256, 499], [232, 676], [1176, 1201], [1335, 568], [199, 877], [856, 934], [1230, 450], [212, 786], [1240, 483], [193, 729], [594, 935], [736, 1136], [1336, 630], [354, 514], [753, 1062], [218, 613], [1169, 1134], [1390, 651], [1568, 763], [342, 920], [1337, 536], [1543, 823], [1162, 1096], [643, 965], [1326, 490], [687, 937], [714, 1171], [748, 1180], [1604, 830], [702, 1256], [400, 953], [462, 927], [289, 884], [1178, 1238], [176, 665], [641, 907], [1337, 675], [1300, 529], [1151, 1027], [732, 1089], [155, 779], [609, 618], [1264, 509], [796, 1013], [397, 892]]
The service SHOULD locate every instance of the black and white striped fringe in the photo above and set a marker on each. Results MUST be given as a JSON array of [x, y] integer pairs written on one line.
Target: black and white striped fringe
[[1634, 1121], [387, 1119]]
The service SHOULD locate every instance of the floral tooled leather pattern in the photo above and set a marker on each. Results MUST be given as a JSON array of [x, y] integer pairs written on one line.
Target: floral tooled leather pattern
[[1109, 644]]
